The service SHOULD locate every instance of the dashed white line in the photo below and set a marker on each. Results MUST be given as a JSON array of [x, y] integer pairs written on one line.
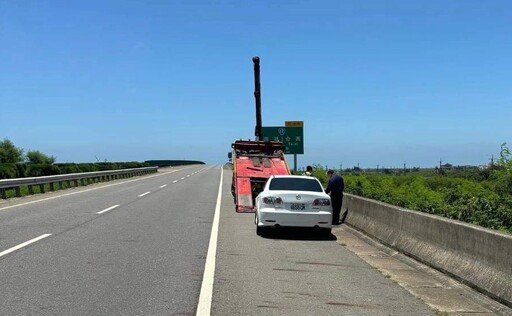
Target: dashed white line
[[183, 178], [107, 209], [5, 252], [188, 175], [175, 181], [205, 297], [163, 186], [87, 190], [145, 193]]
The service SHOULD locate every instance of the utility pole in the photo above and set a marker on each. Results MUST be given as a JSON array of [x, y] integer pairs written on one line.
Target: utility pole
[[404, 167], [440, 165], [492, 162]]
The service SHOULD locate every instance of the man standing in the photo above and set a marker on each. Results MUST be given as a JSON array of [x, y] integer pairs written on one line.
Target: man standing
[[335, 188]]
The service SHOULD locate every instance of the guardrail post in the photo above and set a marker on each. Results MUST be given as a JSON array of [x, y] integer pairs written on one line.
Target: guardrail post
[[41, 188], [18, 191], [30, 190], [3, 194], [60, 185], [76, 182], [52, 186]]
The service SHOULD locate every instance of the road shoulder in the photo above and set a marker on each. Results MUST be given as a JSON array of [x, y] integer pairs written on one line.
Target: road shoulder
[[440, 292]]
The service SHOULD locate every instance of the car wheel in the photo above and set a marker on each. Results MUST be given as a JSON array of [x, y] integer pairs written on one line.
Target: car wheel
[[260, 230]]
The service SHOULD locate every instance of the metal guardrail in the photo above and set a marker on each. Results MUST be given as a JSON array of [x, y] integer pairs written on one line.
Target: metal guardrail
[[107, 175]]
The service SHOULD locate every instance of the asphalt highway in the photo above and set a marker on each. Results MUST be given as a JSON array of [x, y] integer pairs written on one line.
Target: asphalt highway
[[139, 246]]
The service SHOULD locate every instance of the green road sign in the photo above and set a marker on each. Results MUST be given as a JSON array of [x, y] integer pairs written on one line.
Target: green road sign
[[291, 137]]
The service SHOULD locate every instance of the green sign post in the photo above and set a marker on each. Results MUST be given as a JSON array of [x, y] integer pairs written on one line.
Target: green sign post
[[291, 137]]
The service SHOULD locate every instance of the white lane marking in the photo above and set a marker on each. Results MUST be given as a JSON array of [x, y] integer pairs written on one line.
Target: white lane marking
[[72, 193], [163, 186], [145, 193], [26, 243], [188, 175], [175, 181], [205, 298], [107, 209], [183, 178]]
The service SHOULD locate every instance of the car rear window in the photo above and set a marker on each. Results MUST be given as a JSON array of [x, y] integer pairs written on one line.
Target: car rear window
[[295, 184]]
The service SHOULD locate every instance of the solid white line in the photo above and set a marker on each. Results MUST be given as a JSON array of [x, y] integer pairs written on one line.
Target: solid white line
[[163, 186], [205, 298], [3, 253], [175, 181], [145, 193], [107, 209]]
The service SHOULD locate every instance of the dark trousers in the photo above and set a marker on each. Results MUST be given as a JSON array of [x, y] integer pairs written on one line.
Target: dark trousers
[[336, 200]]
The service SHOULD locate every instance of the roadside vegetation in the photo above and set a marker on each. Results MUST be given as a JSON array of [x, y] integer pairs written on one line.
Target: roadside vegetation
[[15, 163], [477, 196]]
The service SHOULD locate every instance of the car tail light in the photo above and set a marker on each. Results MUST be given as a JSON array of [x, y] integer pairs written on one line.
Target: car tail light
[[321, 202], [268, 200], [275, 201]]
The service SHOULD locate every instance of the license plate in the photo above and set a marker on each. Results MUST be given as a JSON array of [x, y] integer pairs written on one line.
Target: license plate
[[298, 206]]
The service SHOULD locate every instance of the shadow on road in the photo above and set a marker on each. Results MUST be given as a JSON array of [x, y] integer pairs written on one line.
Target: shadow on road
[[296, 233]]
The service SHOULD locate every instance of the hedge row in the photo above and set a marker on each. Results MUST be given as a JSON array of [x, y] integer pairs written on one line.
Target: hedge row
[[11, 170], [170, 163], [486, 203]]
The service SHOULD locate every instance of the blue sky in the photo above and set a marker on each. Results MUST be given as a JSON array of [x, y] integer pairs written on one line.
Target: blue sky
[[375, 82]]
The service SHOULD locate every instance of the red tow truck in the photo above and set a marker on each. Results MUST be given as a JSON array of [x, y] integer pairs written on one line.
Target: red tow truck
[[254, 161]]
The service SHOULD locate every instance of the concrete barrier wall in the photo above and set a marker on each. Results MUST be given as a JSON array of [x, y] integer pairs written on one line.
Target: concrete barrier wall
[[479, 257]]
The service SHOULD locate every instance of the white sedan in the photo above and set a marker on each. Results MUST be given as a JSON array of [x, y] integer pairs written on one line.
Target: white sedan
[[298, 201]]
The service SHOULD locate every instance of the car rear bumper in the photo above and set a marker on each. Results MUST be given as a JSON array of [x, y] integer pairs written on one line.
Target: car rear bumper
[[272, 217]]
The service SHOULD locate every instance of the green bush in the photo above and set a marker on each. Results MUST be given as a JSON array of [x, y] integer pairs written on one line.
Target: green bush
[[8, 171], [39, 170], [68, 168], [21, 169], [487, 203]]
